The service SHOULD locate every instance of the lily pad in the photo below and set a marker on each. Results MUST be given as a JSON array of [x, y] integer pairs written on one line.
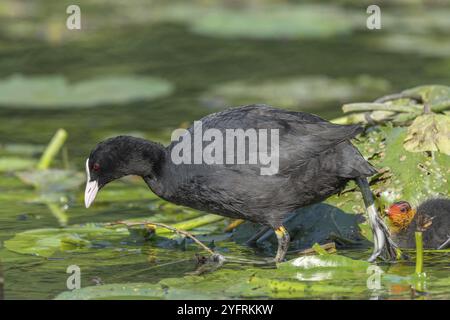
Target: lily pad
[[284, 282], [303, 92], [430, 132], [426, 45], [266, 21], [54, 92], [45, 242], [11, 163], [52, 180]]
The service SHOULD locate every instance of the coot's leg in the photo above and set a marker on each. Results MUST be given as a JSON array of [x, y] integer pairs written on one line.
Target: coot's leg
[[383, 244], [257, 235], [283, 243], [269, 232]]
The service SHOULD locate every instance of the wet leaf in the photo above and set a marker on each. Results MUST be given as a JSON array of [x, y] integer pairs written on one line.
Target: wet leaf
[[288, 281], [45, 242], [430, 132]]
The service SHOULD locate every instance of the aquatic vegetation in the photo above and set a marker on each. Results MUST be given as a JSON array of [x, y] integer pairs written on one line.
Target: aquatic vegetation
[[298, 93], [265, 21], [10, 163], [429, 132], [55, 92], [202, 46], [45, 242]]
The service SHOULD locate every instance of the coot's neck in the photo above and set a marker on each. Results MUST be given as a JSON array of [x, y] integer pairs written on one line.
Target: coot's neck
[[144, 158]]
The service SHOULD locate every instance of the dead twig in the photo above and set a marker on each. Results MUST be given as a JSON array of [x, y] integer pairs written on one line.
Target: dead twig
[[165, 226]]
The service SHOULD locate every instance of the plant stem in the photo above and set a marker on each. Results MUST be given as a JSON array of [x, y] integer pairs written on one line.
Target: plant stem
[[234, 224], [2, 280], [419, 253], [165, 226], [354, 107], [52, 149], [59, 214], [196, 222]]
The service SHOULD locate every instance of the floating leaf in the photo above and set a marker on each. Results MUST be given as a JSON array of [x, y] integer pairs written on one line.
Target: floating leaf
[[325, 261], [45, 242], [430, 132], [266, 21], [52, 180], [11, 163], [437, 46], [295, 92], [284, 282], [54, 92]]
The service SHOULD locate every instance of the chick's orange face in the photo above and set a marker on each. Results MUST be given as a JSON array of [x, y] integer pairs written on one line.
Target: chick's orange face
[[400, 214]]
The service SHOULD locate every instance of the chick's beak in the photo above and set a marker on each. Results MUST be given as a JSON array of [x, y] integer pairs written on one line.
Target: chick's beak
[[91, 188]]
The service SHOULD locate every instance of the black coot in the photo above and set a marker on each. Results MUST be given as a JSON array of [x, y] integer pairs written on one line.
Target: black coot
[[432, 217], [315, 161]]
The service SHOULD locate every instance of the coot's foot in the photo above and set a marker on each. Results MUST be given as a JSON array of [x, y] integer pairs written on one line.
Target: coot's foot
[[384, 246]]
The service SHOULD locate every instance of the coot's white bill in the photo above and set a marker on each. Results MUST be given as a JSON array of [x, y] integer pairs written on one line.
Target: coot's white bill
[[91, 188]]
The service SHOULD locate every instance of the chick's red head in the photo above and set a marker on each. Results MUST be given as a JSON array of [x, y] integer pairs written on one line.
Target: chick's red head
[[401, 214]]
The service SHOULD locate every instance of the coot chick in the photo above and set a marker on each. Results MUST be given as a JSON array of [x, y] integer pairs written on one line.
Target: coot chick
[[315, 161], [432, 217]]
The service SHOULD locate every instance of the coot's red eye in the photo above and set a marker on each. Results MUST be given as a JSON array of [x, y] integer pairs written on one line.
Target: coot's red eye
[[96, 167]]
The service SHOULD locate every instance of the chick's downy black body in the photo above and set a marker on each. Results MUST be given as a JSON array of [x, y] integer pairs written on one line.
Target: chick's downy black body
[[432, 218], [316, 160]]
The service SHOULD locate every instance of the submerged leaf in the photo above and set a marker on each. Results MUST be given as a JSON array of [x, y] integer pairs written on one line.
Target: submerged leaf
[[430, 132]]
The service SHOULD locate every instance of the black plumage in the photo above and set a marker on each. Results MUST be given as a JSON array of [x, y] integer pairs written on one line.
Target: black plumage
[[316, 160], [432, 218]]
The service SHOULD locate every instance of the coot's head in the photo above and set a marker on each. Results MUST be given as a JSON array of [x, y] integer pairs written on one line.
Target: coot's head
[[117, 157], [400, 214]]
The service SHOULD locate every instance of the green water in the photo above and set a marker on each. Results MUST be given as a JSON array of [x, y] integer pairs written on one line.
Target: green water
[[193, 63]]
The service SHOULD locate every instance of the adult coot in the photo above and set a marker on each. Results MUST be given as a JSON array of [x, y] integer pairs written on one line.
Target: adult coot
[[432, 217], [315, 160]]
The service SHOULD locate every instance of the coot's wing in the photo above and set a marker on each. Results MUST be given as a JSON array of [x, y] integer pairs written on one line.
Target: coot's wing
[[302, 136]]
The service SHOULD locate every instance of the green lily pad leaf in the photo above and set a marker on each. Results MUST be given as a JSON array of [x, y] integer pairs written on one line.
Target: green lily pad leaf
[[296, 92], [115, 292], [21, 149], [420, 44], [324, 261], [289, 280], [54, 92], [52, 180], [265, 21], [430, 132], [45, 242], [11, 163]]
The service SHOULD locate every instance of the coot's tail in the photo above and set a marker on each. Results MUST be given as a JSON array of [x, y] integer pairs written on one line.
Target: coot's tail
[[384, 246], [346, 161]]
